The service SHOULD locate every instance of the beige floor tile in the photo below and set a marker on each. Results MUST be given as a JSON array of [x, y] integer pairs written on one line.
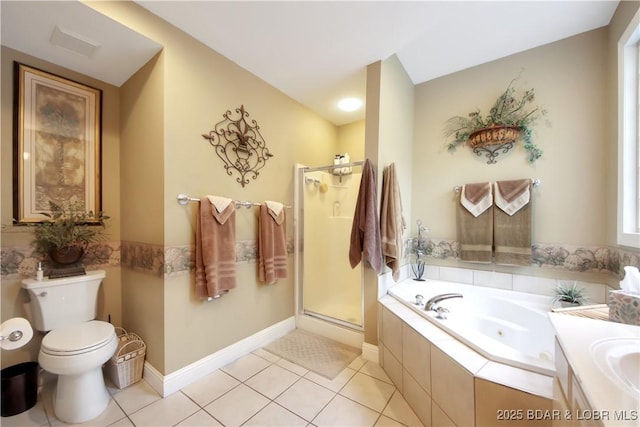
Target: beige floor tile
[[210, 387], [125, 422], [200, 419], [305, 398], [36, 416], [275, 415], [388, 422], [344, 412], [357, 363], [374, 370], [136, 397], [246, 367], [165, 412], [398, 409], [335, 384], [237, 406], [369, 391], [272, 381], [266, 355], [296, 369]]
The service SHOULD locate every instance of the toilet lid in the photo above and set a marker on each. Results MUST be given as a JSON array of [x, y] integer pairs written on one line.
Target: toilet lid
[[78, 338]]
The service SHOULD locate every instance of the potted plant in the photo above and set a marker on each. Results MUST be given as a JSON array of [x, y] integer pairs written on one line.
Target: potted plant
[[569, 296], [67, 233], [509, 120]]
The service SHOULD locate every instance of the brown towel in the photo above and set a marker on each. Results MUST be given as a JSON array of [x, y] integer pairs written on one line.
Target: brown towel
[[512, 222], [272, 245], [365, 231], [475, 223], [392, 222], [215, 250]]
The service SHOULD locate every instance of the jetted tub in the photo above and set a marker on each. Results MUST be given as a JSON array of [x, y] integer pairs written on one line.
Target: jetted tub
[[504, 326]]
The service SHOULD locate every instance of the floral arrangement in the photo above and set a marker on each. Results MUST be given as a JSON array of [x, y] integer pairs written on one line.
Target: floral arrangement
[[511, 109]]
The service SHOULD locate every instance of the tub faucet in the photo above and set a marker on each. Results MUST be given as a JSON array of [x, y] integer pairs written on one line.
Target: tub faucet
[[431, 305]]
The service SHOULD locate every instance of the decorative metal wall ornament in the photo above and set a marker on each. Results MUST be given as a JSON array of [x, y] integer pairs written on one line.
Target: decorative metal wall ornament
[[240, 145]]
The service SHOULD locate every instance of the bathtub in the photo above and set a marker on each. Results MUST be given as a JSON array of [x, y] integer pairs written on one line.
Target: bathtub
[[504, 326]]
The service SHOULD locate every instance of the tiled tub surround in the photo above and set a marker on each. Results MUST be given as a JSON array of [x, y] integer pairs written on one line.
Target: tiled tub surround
[[447, 383], [504, 326]]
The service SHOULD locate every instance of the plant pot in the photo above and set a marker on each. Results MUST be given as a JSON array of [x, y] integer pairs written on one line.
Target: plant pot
[[494, 135], [67, 255], [567, 304]]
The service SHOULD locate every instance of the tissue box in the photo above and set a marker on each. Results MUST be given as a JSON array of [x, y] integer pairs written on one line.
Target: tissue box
[[624, 307]]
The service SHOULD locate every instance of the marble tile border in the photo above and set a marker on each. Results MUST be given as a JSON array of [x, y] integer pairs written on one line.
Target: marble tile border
[[167, 261], [608, 259]]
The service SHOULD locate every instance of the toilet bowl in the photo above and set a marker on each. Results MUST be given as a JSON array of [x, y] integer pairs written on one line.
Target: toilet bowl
[[76, 354], [76, 346]]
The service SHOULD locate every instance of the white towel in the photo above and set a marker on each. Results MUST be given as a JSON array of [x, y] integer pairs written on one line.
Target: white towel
[[274, 207], [220, 203], [511, 207], [479, 206]]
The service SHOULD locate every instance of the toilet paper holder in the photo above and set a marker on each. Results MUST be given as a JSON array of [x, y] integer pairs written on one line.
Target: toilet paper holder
[[13, 336]]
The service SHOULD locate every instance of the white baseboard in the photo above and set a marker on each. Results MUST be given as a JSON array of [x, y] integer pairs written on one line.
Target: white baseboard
[[370, 352], [168, 384]]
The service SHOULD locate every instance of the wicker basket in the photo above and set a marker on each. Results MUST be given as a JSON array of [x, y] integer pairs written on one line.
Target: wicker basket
[[494, 135], [126, 365]]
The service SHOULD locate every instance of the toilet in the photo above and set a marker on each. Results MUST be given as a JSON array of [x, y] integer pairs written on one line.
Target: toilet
[[76, 345]]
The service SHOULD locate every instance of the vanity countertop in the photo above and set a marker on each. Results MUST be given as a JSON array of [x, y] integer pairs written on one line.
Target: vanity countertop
[[577, 336]]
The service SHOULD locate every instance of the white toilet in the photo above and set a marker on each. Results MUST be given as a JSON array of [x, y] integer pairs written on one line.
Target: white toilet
[[77, 345]]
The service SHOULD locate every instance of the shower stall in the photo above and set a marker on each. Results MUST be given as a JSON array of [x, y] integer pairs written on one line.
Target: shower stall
[[327, 288]]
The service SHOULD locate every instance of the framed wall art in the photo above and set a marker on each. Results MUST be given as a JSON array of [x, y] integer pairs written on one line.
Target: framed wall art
[[57, 144]]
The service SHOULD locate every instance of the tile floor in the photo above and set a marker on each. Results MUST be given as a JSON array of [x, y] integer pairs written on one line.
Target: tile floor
[[259, 389]]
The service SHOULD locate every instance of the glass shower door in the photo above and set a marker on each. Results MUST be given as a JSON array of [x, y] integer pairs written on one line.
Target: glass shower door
[[331, 289]]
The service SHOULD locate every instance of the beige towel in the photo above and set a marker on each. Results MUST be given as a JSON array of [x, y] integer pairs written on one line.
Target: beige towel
[[511, 196], [272, 243], [512, 231], [392, 222], [365, 231], [215, 250], [475, 223]]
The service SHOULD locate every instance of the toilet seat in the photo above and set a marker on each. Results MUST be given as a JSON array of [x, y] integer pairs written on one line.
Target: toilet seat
[[78, 339]]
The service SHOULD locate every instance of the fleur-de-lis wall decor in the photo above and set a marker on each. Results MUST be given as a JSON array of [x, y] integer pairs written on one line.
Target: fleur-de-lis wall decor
[[240, 145]]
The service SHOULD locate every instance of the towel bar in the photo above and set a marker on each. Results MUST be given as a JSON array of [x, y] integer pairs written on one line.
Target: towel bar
[[534, 182], [183, 200]]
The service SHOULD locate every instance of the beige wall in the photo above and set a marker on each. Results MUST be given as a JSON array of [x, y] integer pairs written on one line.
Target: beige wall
[[570, 81], [20, 237], [351, 140], [388, 139], [181, 95]]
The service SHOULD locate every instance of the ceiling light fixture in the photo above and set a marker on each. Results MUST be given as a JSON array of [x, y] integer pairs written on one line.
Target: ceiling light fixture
[[350, 104]]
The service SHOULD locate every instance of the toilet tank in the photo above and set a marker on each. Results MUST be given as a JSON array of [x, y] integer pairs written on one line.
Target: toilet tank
[[68, 300]]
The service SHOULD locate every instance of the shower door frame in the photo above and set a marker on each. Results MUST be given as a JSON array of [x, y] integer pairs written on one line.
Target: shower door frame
[[301, 313]]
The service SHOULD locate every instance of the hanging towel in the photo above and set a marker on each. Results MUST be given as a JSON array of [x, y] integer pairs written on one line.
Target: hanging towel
[[392, 223], [512, 222], [475, 222], [272, 243], [215, 250], [365, 230], [220, 203]]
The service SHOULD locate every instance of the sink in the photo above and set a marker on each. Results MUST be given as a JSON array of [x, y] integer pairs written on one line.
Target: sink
[[619, 359]]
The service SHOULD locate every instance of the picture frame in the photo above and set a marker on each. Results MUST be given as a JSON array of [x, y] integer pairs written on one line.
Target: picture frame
[[57, 144]]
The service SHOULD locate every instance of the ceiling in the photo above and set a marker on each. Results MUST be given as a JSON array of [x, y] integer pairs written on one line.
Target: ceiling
[[315, 52]]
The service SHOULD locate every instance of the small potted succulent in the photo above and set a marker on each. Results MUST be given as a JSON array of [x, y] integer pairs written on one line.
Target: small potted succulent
[[68, 231], [569, 296]]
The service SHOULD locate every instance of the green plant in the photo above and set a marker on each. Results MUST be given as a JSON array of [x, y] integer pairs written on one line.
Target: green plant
[[510, 109], [67, 226], [571, 294]]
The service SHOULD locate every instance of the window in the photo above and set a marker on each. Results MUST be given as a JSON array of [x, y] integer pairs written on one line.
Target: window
[[629, 135]]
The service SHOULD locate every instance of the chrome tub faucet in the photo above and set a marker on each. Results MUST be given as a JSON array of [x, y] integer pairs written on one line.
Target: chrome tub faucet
[[431, 304]]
